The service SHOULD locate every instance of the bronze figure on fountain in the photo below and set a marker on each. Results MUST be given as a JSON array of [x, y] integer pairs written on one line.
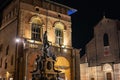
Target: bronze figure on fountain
[[45, 69]]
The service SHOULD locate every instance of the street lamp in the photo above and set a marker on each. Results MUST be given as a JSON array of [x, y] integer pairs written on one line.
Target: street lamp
[[16, 75], [18, 42], [26, 69]]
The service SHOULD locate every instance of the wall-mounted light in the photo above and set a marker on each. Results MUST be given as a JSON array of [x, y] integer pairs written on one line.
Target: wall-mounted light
[[17, 40], [65, 50]]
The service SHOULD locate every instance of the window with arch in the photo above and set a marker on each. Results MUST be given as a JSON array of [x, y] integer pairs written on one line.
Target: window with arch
[[59, 28], [36, 26], [106, 39], [1, 47], [5, 63], [12, 59], [7, 49], [1, 62]]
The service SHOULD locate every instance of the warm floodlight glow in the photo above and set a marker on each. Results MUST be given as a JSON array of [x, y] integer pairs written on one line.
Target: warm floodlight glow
[[7, 74], [11, 78], [32, 41], [65, 50], [63, 46]]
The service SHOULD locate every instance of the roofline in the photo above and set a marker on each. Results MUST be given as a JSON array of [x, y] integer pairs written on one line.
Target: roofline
[[61, 5]]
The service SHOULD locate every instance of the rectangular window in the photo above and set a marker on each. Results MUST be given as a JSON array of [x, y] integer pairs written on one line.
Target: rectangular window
[[59, 36], [109, 77], [35, 32]]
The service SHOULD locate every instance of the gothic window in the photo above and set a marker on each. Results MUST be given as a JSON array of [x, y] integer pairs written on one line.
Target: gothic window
[[1, 62], [1, 46], [59, 27], [15, 11], [12, 59], [7, 49], [106, 39], [11, 13], [36, 26], [8, 16], [6, 64]]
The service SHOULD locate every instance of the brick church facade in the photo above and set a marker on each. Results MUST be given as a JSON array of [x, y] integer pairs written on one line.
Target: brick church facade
[[102, 56], [21, 37]]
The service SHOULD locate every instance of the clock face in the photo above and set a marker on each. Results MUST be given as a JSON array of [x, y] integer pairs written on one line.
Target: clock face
[[49, 65]]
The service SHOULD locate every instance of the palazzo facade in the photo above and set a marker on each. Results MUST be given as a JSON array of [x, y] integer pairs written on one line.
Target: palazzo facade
[[21, 39]]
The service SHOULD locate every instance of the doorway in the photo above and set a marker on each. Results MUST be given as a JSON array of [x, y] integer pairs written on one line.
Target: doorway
[[92, 79], [109, 76]]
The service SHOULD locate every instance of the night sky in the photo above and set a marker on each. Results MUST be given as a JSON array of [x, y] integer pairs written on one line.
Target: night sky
[[89, 13]]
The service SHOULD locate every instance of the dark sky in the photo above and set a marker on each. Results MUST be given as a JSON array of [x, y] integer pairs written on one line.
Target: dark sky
[[89, 13]]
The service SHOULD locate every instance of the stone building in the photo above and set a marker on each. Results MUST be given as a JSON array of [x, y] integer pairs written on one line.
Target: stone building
[[102, 56], [21, 37]]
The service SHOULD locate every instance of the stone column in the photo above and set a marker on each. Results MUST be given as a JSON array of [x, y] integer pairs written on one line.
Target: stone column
[[76, 64]]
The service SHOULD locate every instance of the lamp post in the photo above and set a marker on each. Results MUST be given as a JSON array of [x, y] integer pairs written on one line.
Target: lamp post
[[26, 63], [17, 41], [18, 58], [25, 77], [26, 69]]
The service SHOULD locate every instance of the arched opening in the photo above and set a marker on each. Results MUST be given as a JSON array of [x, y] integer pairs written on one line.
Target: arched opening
[[106, 45], [107, 68], [36, 28], [63, 65], [106, 39], [59, 27]]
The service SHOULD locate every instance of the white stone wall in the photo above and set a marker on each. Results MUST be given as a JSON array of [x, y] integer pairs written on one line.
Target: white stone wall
[[98, 72], [117, 71], [84, 71]]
